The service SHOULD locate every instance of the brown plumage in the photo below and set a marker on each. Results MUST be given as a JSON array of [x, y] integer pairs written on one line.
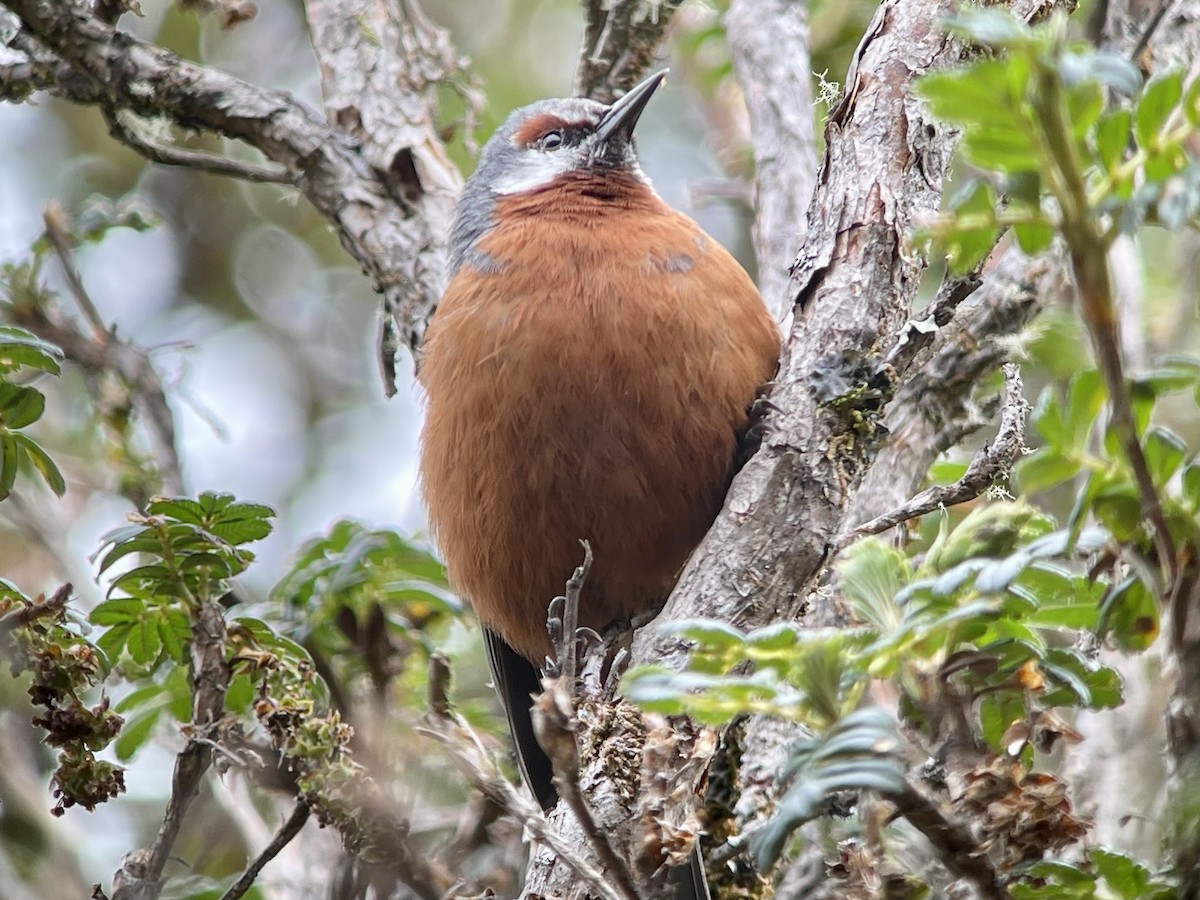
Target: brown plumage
[[593, 389], [588, 371]]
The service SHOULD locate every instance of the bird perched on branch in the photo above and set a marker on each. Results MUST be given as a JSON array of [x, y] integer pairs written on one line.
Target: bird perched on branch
[[588, 371]]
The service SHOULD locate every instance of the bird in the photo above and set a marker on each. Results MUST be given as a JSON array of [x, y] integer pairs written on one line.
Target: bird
[[588, 375]]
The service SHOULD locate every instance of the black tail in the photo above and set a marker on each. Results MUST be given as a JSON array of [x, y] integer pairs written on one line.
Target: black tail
[[517, 680]]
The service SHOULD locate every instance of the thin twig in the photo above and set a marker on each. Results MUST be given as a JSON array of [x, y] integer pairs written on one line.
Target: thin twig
[[195, 159], [1148, 33], [282, 838], [956, 847], [482, 770], [102, 351], [41, 608], [140, 877], [568, 651], [57, 230], [992, 462]]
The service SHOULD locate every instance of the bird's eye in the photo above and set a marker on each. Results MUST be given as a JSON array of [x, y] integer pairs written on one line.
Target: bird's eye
[[551, 140]]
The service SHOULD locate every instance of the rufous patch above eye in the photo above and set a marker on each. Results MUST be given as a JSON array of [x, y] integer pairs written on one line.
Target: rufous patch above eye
[[532, 131]]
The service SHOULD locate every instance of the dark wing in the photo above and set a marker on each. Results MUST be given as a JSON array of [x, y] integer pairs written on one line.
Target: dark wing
[[516, 680]]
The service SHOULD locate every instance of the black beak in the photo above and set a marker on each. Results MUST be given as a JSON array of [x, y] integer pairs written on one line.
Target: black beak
[[618, 122]]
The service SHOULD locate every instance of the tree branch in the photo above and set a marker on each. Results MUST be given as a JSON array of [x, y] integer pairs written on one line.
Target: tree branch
[[381, 64], [140, 875], [480, 768], [282, 838], [988, 465], [620, 41], [769, 41], [934, 409], [215, 164], [392, 233]]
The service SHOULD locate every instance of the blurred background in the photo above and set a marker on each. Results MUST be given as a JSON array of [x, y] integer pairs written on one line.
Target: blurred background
[[264, 333]]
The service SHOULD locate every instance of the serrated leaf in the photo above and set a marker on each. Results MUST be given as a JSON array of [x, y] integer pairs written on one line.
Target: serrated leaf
[[176, 631], [180, 508], [112, 642], [153, 574], [145, 544], [144, 642]]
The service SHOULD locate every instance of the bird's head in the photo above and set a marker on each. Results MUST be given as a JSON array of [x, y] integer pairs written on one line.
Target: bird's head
[[547, 142]]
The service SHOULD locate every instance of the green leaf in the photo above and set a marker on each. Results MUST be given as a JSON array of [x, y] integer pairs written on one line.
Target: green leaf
[[1119, 509], [1033, 237], [136, 699], [118, 611], [240, 694], [136, 731], [43, 463], [1164, 451], [1009, 152], [977, 95], [180, 508], [858, 753], [1191, 485], [1085, 398], [1191, 103], [1130, 614], [146, 542], [112, 642], [175, 630], [1128, 878], [1085, 102], [1113, 138], [1109, 69], [1043, 470], [991, 27], [19, 347], [873, 573], [966, 245], [1160, 97], [10, 460], [145, 642], [20, 406]]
